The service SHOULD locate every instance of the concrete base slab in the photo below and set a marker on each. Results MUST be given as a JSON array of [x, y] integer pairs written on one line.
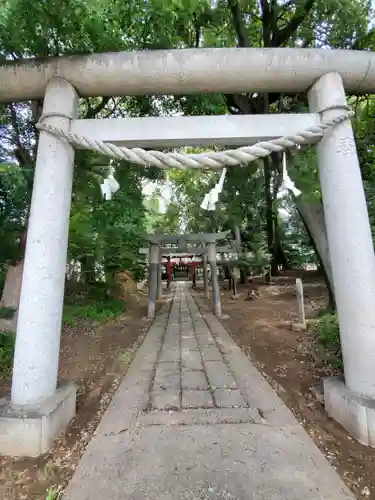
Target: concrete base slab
[[29, 432], [355, 413], [205, 462]]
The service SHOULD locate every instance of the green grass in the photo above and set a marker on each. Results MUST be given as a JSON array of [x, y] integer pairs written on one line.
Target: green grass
[[7, 341], [54, 493], [125, 356], [6, 312], [100, 311], [328, 339]]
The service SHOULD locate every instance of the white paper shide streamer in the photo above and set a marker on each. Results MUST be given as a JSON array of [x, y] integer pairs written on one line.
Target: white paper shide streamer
[[287, 183], [109, 185], [211, 198]]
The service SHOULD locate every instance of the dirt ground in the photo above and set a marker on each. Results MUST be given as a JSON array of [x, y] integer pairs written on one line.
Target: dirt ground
[[95, 358], [285, 357]]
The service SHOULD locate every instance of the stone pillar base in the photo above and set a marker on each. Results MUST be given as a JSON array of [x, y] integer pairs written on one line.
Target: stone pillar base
[[30, 432], [355, 413]]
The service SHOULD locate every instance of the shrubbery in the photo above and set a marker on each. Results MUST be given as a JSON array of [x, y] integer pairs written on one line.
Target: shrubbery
[[7, 341], [328, 339], [99, 311]]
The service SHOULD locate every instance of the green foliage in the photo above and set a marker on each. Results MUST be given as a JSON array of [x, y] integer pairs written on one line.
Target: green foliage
[[99, 312], [108, 233], [3, 270], [7, 342], [295, 239], [327, 327], [258, 262], [328, 338], [6, 312], [13, 211], [54, 493]]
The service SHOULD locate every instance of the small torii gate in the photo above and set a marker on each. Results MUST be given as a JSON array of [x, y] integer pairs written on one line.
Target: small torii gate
[[181, 245], [198, 251], [39, 408]]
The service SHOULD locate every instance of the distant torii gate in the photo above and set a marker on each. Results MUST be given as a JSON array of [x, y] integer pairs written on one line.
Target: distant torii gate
[[208, 251]]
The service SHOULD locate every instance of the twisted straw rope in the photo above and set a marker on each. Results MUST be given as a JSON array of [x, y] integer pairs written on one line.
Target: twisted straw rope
[[208, 160]]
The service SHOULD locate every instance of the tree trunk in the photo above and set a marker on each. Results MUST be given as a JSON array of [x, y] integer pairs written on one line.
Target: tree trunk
[[11, 295], [268, 210], [279, 258], [237, 237], [12, 287], [88, 270], [312, 215], [243, 277]]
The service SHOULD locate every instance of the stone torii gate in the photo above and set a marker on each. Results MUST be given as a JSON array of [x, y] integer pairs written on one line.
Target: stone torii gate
[[181, 245], [38, 408], [198, 251]]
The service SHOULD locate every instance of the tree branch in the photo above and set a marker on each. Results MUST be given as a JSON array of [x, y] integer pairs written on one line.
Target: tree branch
[[267, 22], [92, 112], [281, 36], [23, 156], [197, 37], [242, 103], [238, 24]]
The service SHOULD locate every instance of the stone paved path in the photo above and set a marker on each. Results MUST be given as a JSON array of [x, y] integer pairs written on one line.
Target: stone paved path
[[191, 371], [194, 420]]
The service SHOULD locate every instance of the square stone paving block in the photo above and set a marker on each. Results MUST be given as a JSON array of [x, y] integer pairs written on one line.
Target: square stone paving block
[[192, 360], [196, 399], [225, 398], [194, 380], [189, 344], [170, 355], [211, 353], [166, 399], [219, 375], [167, 375]]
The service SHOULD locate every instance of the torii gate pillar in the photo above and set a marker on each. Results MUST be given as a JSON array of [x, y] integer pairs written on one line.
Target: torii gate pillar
[[39, 409], [352, 403]]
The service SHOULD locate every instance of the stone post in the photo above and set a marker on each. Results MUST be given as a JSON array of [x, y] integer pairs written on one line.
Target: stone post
[[234, 272], [36, 357], [194, 276], [353, 264], [153, 279], [211, 255], [160, 282], [300, 303], [205, 276]]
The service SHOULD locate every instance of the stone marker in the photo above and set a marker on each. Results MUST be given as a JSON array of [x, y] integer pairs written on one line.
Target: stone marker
[[301, 325]]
